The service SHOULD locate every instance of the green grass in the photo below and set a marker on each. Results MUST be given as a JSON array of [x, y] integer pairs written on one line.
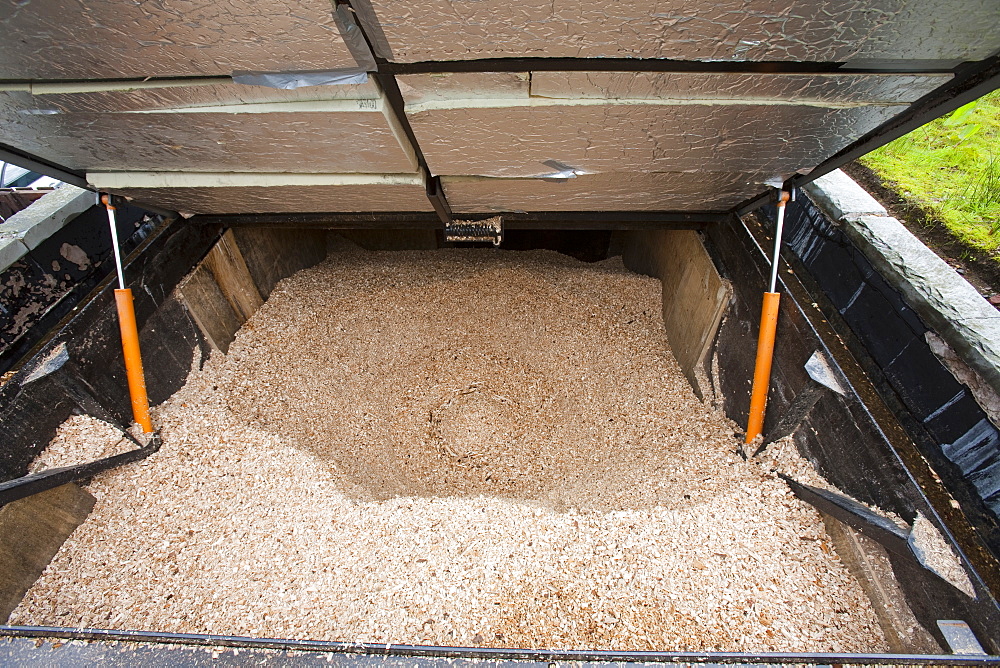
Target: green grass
[[951, 167]]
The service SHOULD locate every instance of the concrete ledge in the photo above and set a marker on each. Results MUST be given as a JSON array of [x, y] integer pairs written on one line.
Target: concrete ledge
[[945, 301], [840, 197], [11, 250], [43, 218]]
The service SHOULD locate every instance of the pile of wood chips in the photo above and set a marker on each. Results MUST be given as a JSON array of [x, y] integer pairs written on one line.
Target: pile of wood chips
[[81, 439], [461, 447]]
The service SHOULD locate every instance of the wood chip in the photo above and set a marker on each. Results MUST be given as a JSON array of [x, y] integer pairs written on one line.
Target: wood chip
[[937, 555], [79, 440], [462, 447]]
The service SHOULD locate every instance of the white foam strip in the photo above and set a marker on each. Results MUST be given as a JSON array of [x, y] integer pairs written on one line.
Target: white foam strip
[[309, 106], [113, 180], [70, 87], [505, 103]]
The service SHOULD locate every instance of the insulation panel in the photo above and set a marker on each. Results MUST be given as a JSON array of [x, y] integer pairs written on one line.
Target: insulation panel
[[756, 30], [429, 88], [516, 141], [678, 191], [199, 199], [133, 131], [103, 39], [510, 124]]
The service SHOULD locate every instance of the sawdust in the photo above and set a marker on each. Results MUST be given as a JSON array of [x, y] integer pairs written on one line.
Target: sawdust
[[79, 440], [461, 448], [467, 373], [935, 554]]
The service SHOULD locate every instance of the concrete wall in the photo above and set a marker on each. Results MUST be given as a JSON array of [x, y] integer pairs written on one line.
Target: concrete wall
[[26, 229]]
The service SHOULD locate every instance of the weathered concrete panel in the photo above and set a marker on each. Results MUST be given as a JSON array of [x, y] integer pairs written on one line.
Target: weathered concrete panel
[[46, 216], [839, 197], [12, 249]]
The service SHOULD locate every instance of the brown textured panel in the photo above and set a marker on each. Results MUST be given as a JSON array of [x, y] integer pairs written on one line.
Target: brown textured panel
[[350, 141], [418, 88], [516, 141], [596, 192], [818, 30], [69, 39], [283, 199]]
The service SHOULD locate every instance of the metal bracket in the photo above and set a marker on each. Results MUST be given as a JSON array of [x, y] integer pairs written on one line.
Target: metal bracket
[[848, 511], [489, 230], [435, 193], [960, 638]]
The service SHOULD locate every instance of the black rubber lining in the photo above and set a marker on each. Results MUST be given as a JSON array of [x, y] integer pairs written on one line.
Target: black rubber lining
[[939, 413]]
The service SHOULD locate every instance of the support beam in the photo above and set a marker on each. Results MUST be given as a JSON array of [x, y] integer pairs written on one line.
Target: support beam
[[386, 81], [397, 106], [42, 166]]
